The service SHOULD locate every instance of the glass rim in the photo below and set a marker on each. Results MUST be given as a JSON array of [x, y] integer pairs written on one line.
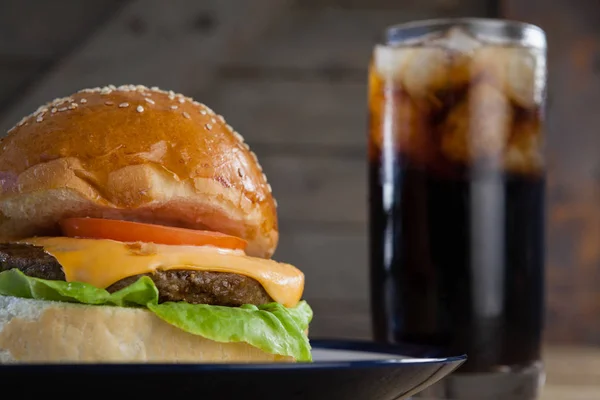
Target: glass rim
[[493, 29]]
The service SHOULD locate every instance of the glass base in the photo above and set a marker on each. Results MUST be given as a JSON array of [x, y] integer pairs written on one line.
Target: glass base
[[509, 384]]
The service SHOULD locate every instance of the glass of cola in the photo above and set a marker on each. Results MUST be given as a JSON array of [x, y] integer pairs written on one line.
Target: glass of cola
[[457, 190]]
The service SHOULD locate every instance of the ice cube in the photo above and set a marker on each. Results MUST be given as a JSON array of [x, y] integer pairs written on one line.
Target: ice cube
[[457, 39], [426, 70], [389, 61], [422, 70], [397, 122], [492, 119], [524, 152], [479, 126], [519, 72], [454, 134], [430, 70]]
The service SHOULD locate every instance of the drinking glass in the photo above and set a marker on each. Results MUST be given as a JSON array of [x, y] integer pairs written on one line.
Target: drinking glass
[[457, 198]]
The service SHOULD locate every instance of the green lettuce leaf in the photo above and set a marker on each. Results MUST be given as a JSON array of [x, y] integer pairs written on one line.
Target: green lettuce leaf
[[271, 327], [15, 283]]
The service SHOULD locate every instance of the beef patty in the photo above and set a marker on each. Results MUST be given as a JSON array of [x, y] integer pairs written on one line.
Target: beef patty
[[197, 287]]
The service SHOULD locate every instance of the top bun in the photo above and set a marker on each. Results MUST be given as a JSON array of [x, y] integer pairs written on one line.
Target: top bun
[[136, 154]]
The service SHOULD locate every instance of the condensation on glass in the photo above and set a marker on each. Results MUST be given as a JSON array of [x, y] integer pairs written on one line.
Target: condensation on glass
[[457, 181]]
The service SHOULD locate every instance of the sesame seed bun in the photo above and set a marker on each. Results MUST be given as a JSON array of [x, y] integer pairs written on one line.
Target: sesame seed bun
[[137, 154]]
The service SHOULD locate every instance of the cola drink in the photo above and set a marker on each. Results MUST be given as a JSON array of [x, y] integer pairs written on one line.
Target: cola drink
[[457, 183]]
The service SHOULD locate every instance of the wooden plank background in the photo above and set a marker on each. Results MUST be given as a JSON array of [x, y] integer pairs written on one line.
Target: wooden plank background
[[291, 77], [573, 147]]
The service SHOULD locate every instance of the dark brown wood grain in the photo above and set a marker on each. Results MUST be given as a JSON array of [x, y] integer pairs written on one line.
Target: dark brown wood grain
[[34, 35], [39, 29], [295, 114], [436, 7], [16, 72], [173, 46], [573, 148]]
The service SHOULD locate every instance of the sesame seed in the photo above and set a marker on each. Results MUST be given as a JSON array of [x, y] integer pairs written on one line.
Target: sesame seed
[[264, 177], [186, 115], [181, 100], [149, 100], [174, 107], [203, 112], [229, 127], [109, 103], [40, 109], [54, 110], [123, 105], [196, 103], [245, 145], [269, 186], [83, 101], [105, 90], [221, 118], [73, 106], [62, 109], [253, 154], [171, 95], [238, 136], [154, 88], [39, 119], [208, 126], [214, 121], [146, 94], [275, 202], [140, 109], [112, 87]]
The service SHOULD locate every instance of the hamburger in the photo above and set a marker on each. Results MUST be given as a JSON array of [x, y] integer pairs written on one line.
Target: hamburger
[[137, 226]]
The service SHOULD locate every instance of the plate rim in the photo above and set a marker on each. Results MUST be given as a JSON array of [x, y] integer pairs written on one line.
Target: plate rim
[[330, 344]]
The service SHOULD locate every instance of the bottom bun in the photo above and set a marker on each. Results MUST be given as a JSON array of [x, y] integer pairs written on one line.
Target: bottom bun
[[36, 331]]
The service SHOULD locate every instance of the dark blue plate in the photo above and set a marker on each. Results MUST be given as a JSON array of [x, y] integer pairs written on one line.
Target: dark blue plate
[[341, 370]]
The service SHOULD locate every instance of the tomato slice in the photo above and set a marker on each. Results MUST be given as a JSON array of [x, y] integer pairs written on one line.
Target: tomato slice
[[127, 231]]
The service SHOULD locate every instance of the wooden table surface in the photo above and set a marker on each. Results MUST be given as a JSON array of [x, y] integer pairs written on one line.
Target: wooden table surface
[[572, 373]]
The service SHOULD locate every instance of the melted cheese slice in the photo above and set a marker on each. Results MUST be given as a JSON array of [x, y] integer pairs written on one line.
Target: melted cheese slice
[[103, 262]]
